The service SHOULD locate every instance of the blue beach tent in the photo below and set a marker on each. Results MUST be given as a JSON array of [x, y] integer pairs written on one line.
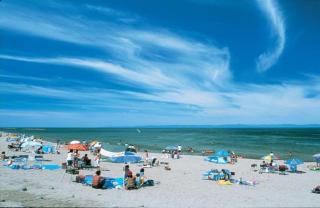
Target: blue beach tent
[[222, 153], [293, 163]]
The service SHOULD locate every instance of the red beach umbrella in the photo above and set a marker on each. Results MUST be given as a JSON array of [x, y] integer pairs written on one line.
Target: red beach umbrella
[[79, 147]]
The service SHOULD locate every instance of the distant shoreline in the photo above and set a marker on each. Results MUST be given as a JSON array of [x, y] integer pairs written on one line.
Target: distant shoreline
[[231, 126]]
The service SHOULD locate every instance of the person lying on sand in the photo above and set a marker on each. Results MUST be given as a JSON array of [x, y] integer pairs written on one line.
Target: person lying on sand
[[98, 181]]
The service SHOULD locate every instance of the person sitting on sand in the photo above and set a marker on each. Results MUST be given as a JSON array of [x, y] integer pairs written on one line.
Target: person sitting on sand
[[138, 180], [126, 172], [39, 150], [131, 182], [98, 181], [86, 160], [142, 172]]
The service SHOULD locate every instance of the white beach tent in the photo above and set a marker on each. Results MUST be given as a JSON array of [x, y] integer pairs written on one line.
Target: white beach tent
[[106, 153], [75, 142]]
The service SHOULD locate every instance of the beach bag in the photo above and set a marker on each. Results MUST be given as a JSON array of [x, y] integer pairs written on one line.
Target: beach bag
[[148, 183]]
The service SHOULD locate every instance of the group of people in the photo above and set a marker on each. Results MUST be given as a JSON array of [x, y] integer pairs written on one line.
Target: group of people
[[132, 181], [74, 160]]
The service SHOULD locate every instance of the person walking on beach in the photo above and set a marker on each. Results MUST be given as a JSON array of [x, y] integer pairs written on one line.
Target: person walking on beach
[[58, 144], [97, 159]]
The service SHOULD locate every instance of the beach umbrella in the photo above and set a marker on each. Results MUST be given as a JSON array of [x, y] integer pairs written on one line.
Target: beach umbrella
[[126, 157], [79, 147], [270, 157], [171, 147], [30, 144], [222, 153], [75, 142], [294, 162], [317, 157], [93, 143]]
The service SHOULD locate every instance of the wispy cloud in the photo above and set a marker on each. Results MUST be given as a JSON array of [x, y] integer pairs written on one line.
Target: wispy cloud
[[273, 13], [175, 74]]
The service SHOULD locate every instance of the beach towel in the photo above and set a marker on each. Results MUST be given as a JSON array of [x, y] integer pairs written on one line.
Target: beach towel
[[51, 167], [223, 182], [88, 180], [112, 183]]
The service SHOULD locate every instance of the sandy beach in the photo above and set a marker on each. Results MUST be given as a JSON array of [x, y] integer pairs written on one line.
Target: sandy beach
[[183, 186]]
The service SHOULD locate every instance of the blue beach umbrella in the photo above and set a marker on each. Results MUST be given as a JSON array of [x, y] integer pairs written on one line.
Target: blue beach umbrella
[[126, 158], [316, 156], [222, 153]]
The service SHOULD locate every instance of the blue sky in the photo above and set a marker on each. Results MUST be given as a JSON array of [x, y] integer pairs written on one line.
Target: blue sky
[[191, 62]]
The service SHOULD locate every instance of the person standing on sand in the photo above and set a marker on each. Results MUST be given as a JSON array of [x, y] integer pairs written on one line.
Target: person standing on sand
[[146, 155], [70, 158], [58, 144], [179, 148], [97, 159], [290, 155]]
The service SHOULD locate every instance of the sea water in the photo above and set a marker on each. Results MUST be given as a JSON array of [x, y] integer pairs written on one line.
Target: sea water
[[249, 142]]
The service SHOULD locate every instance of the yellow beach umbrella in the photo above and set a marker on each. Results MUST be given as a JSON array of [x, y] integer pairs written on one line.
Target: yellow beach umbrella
[[270, 157]]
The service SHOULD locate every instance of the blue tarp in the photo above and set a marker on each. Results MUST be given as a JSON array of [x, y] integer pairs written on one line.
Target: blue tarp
[[48, 149], [112, 182], [51, 167], [216, 159], [109, 182]]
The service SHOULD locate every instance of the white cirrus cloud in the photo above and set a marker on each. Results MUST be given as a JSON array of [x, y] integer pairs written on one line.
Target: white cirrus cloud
[[267, 59]]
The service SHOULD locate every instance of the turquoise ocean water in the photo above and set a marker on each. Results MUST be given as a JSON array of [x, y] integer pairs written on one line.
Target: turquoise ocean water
[[250, 142]]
